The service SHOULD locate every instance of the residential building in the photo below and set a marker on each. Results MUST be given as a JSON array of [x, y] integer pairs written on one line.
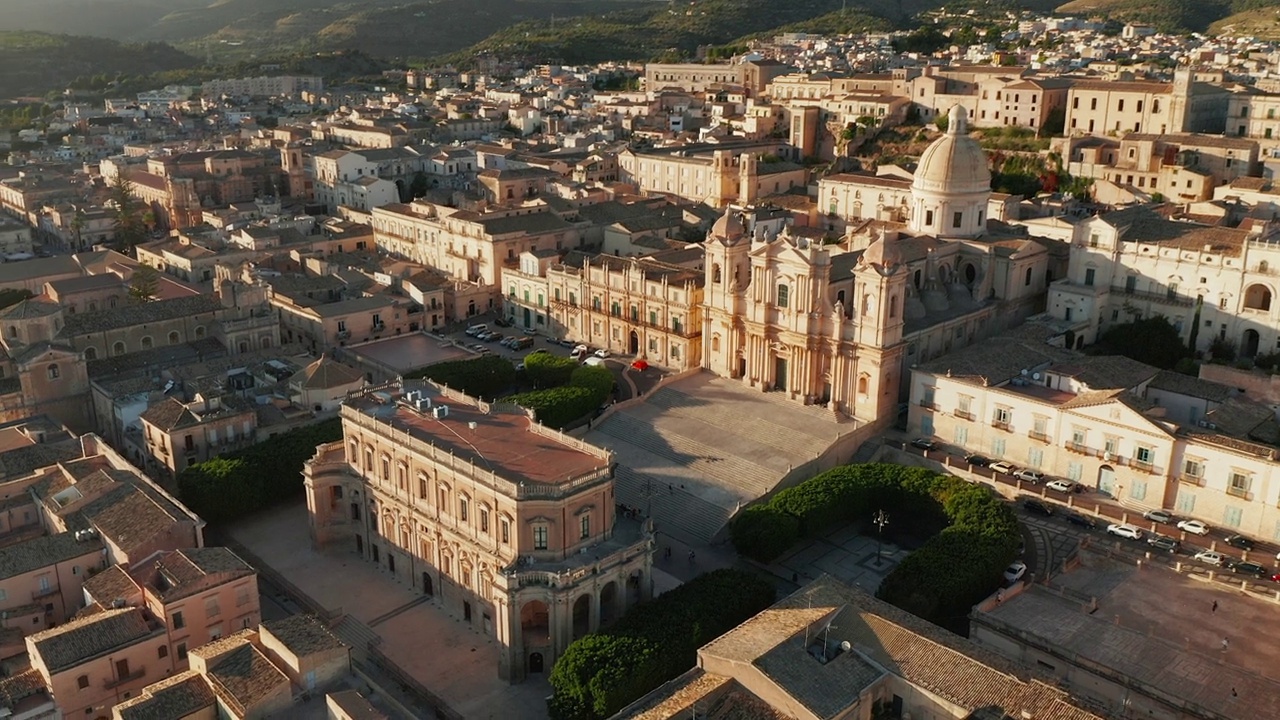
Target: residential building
[[1096, 107], [830, 650], [41, 578], [642, 307], [198, 594], [1182, 167], [306, 650], [324, 384], [184, 696], [180, 434], [263, 86], [15, 238], [101, 659], [245, 683], [321, 326], [507, 524], [692, 77], [712, 174]]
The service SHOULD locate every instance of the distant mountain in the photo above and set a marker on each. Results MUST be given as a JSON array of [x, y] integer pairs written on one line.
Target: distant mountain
[[35, 63], [1261, 23], [1182, 15]]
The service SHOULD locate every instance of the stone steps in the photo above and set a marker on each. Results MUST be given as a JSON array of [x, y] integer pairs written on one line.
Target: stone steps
[[680, 514], [356, 634], [760, 429], [731, 471]]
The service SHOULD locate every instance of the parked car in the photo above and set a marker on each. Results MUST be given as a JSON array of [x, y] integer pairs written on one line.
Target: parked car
[[977, 460], [579, 352], [1210, 557], [480, 348], [1125, 530], [475, 330], [1240, 541], [1194, 527], [501, 323], [566, 342], [1031, 476], [1249, 567], [1003, 468], [924, 443], [1162, 542], [495, 337], [1065, 486], [1079, 520], [1015, 571], [1037, 507], [1160, 516], [601, 353]]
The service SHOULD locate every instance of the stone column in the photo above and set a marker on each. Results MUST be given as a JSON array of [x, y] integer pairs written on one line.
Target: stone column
[[593, 615]]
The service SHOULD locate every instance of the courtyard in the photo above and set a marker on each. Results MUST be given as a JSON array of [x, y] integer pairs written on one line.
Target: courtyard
[[443, 654]]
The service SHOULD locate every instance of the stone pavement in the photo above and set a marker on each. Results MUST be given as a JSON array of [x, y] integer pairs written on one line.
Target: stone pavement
[[444, 655], [842, 554]]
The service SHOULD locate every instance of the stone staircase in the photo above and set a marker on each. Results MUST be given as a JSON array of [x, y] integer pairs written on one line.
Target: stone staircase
[[676, 512], [762, 430], [356, 634]]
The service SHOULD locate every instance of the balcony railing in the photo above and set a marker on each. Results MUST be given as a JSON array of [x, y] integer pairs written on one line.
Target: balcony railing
[[928, 404], [1165, 298], [1081, 448], [1142, 466], [1239, 492], [44, 592], [130, 677], [1197, 480], [964, 414], [1001, 425], [1039, 436]]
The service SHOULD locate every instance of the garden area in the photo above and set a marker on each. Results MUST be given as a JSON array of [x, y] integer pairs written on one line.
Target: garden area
[[966, 534], [561, 392], [237, 484], [656, 641]]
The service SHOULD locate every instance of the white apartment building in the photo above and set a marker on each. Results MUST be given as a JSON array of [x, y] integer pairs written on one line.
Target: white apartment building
[[1149, 438]]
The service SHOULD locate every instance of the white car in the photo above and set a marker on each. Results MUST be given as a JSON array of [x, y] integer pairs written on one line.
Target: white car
[[1031, 476], [1015, 571], [1194, 527], [580, 352], [1209, 557], [1003, 468], [602, 353], [1125, 530], [1065, 486]]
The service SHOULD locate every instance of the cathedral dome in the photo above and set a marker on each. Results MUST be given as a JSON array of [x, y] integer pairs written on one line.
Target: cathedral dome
[[729, 227], [955, 162]]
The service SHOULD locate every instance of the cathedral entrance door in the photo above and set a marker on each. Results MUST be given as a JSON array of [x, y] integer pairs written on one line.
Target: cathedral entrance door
[[779, 373], [635, 343]]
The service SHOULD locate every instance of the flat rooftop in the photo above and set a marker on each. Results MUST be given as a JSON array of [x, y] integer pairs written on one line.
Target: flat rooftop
[[1160, 629], [503, 441], [406, 353]]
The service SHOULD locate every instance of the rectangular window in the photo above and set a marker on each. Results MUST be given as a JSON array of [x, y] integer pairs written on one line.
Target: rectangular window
[[211, 607], [1193, 468], [1138, 490], [1002, 416], [462, 509], [928, 218], [1231, 516], [1035, 457], [539, 537], [484, 520], [1111, 445], [178, 621], [422, 487], [957, 219], [504, 527], [961, 435], [1143, 455], [1040, 425], [1089, 275], [1239, 484], [997, 447], [586, 526], [1077, 437], [966, 402], [1075, 471]]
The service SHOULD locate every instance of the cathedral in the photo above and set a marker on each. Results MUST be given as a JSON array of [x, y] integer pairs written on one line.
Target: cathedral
[[839, 325]]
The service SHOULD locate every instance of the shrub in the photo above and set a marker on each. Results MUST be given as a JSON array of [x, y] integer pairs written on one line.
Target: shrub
[[557, 407], [601, 673], [225, 488], [974, 534], [487, 376], [1154, 341]]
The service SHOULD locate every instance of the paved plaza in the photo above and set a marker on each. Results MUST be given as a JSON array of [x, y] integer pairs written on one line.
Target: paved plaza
[[404, 353], [845, 555], [446, 656]]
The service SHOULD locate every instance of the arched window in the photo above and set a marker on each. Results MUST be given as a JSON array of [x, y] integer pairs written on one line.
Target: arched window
[[117, 349], [199, 331], [266, 343], [1257, 297], [715, 273], [863, 383], [90, 353], [1262, 266], [1028, 280], [715, 343], [54, 372], [146, 342], [174, 338], [784, 295]]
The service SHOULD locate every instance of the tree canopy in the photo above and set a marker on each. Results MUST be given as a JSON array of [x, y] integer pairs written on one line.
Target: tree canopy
[[1154, 341]]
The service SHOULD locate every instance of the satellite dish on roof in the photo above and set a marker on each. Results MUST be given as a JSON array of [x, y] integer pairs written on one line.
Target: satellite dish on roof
[[1024, 371], [845, 646], [1035, 376]]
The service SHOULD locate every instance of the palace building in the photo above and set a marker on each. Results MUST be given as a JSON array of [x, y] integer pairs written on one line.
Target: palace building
[[506, 524]]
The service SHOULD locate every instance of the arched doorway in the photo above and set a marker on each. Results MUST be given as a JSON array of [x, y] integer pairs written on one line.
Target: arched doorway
[[1107, 480], [428, 588], [608, 604], [535, 623], [1249, 347], [535, 663], [635, 343], [1257, 297], [581, 616]]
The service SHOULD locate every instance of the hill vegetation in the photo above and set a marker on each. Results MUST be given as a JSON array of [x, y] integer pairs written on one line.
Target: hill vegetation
[[1181, 15], [35, 63]]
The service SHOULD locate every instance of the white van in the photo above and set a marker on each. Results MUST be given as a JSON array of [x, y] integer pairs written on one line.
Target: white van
[[475, 330]]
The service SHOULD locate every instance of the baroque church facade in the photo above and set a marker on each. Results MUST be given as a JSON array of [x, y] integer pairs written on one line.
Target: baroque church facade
[[839, 325]]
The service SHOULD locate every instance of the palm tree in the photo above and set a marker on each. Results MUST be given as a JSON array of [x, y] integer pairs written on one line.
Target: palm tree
[[77, 226]]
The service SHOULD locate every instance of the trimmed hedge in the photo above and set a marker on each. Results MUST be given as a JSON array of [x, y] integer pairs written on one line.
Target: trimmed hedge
[[603, 672], [557, 407], [977, 533], [234, 485], [487, 376], [545, 370]]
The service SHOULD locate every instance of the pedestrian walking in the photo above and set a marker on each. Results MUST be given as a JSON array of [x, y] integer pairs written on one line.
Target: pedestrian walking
[[1215, 606], [691, 557]]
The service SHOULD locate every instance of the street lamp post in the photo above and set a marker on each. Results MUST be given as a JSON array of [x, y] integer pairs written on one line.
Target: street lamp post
[[881, 519]]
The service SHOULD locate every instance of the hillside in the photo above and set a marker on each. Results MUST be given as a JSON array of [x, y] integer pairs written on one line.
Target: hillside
[[1262, 23], [1175, 15], [35, 63]]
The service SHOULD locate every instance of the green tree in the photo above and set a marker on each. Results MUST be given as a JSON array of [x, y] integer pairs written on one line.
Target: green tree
[[130, 229], [77, 228], [144, 284], [1152, 340]]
